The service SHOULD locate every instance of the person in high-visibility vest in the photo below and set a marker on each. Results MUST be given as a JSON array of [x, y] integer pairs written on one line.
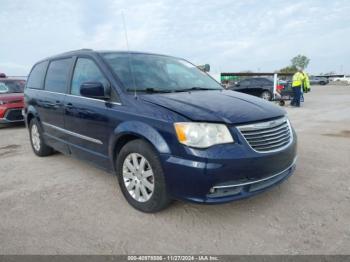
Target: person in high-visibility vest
[[305, 87], [306, 83], [298, 79]]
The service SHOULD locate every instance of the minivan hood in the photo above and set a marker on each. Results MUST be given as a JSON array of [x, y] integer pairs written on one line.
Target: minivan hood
[[216, 106]]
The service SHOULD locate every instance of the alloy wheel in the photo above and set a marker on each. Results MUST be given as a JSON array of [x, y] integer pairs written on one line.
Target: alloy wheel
[[138, 177], [35, 137], [266, 96]]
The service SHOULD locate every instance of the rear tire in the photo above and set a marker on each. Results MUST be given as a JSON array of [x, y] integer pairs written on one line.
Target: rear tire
[[141, 177], [36, 139], [266, 95]]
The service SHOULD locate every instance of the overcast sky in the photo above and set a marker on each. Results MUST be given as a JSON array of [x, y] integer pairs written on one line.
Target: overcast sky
[[230, 35]]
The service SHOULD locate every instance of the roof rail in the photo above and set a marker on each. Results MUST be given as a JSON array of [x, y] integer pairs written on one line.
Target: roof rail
[[73, 51]]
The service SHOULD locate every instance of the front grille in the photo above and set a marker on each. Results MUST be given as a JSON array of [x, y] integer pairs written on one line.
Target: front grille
[[14, 115], [268, 136]]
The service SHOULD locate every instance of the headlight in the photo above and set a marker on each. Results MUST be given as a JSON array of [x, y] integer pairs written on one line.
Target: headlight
[[202, 135]]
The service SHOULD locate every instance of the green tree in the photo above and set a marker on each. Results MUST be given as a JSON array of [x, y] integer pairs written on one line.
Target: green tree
[[288, 69], [300, 61]]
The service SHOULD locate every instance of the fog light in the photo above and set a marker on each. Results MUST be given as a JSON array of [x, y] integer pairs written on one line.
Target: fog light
[[212, 190]]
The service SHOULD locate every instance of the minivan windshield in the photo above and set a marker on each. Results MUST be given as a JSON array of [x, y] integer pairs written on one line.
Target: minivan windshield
[[158, 73]]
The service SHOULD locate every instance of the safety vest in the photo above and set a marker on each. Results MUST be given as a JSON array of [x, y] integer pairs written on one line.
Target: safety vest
[[298, 79], [306, 83]]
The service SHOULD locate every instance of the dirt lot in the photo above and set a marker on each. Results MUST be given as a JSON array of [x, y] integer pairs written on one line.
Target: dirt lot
[[59, 205]]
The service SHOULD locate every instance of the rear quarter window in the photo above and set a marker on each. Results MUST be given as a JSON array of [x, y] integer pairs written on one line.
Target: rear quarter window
[[57, 75], [267, 82], [37, 75]]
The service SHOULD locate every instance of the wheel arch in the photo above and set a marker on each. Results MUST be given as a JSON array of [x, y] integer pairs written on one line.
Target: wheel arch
[[132, 130], [31, 113]]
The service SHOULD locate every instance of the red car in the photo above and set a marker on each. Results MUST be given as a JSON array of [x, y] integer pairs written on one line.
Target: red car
[[11, 100]]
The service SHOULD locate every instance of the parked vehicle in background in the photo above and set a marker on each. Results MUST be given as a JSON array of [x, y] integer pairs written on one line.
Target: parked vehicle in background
[[345, 79], [11, 100], [317, 80], [258, 86], [165, 128]]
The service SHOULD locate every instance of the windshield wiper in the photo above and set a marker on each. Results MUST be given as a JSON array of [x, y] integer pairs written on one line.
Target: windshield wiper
[[195, 88], [149, 90]]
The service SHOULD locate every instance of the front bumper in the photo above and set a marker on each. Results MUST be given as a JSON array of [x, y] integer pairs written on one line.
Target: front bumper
[[227, 172], [235, 190]]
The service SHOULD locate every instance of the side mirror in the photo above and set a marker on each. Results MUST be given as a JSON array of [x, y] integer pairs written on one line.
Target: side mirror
[[95, 90], [204, 68]]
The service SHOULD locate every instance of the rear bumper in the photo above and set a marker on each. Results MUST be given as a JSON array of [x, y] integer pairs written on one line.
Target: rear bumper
[[13, 115]]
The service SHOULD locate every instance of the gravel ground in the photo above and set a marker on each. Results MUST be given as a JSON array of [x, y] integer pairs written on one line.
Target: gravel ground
[[59, 205]]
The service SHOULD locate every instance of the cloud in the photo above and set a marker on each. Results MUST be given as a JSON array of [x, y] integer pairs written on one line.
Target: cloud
[[230, 35]]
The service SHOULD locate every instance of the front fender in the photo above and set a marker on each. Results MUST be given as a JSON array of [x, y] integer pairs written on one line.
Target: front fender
[[141, 130]]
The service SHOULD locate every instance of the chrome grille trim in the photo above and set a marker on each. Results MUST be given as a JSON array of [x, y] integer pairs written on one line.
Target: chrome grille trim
[[267, 132], [271, 142], [268, 136]]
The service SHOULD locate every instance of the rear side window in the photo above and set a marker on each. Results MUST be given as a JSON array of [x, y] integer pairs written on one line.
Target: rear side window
[[37, 75], [246, 82], [255, 82], [258, 81], [57, 75], [267, 82]]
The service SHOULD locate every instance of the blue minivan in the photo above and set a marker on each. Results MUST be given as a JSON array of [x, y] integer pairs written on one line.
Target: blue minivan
[[165, 128]]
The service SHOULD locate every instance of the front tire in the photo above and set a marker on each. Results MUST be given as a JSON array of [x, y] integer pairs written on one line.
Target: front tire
[[36, 139], [141, 177]]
